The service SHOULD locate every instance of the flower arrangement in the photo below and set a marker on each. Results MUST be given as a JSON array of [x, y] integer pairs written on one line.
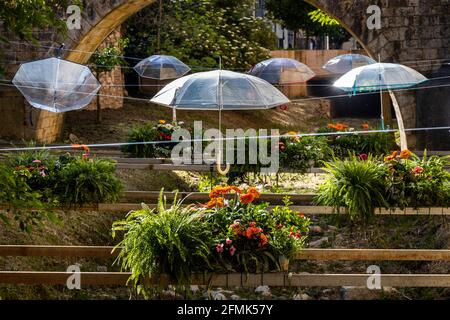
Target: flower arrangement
[[400, 179], [363, 143], [232, 232], [161, 131], [36, 182]]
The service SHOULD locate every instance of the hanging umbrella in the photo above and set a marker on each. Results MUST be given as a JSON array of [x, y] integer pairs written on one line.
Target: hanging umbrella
[[161, 67], [219, 90], [282, 71], [56, 85], [346, 62], [379, 77]]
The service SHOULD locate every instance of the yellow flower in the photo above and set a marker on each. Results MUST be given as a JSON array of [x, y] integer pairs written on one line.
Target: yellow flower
[[162, 121]]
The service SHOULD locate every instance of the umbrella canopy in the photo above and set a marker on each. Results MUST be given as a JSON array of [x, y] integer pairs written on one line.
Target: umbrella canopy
[[379, 76], [56, 85], [219, 89], [161, 67], [346, 62], [282, 71]]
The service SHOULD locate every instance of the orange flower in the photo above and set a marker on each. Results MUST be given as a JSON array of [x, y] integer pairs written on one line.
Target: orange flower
[[215, 202], [76, 146], [247, 198], [405, 154], [254, 191], [301, 215], [162, 121], [331, 126], [391, 157], [340, 126], [85, 148], [365, 126], [263, 240], [235, 189]]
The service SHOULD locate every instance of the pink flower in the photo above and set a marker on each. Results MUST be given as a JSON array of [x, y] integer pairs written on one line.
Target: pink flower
[[228, 241], [219, 248], [37, 161], [417, 170], [42, 173], [363, 157], [232, 250]]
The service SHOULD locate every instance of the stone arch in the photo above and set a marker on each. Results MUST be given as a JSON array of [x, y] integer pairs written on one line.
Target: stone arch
[[411, 30]]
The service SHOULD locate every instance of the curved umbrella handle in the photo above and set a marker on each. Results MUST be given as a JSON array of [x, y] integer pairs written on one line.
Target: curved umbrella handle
[[219, 165]]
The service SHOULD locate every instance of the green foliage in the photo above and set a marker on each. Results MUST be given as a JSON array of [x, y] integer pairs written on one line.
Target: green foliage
[[303, 153], [417, 182], [322, 18], [220, 236], [198, 32], [378, 143], [33, 183], [148, 132], [356, 185], [171, 240], [107, 58], [83, 181], [361, 185], [295, 14], [23, 17]]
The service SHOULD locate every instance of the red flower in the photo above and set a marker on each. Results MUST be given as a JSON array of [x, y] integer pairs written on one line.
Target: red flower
[[417, 170], [232, 250], [363, 157], [219, 248], [263, 240], [365, 126], [281, 146], [247, 198]]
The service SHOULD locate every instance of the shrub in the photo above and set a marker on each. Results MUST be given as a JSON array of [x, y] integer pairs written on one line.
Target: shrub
[[379, 143], [160, 132], [222, 235], [402, 180], [301, 153], [172, 240], [357, 185], [84, 181]]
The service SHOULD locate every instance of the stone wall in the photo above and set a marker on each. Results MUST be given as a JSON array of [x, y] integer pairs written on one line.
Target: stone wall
[[112, 90], [18, 119]]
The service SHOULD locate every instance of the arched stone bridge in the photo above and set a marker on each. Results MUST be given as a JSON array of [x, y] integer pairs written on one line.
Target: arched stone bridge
[[413, 32]]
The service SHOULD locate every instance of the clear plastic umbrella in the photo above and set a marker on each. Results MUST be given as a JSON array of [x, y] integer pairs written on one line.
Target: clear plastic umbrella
[[346, 62], [220, 90], [161, 67], [56, 85], [282, 71], [379, 77]]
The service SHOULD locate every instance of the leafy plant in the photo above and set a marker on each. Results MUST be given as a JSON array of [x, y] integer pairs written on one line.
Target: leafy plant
[[302, 153], [173, 240], [356, 185], [378, 143], [84, 181], [161, 133]]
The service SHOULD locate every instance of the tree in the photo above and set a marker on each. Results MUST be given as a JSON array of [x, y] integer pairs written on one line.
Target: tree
[[297, 14], [23, 17], [198, 32], [106, 59]]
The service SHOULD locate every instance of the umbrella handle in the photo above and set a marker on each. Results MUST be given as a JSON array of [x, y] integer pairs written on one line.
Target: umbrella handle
[[219, 165]]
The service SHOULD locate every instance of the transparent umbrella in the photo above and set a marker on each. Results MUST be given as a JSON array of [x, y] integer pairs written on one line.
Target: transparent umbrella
[[56, 85], [161, 67], [282, 71], [219, 90], [379, 77], [346, 62]]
